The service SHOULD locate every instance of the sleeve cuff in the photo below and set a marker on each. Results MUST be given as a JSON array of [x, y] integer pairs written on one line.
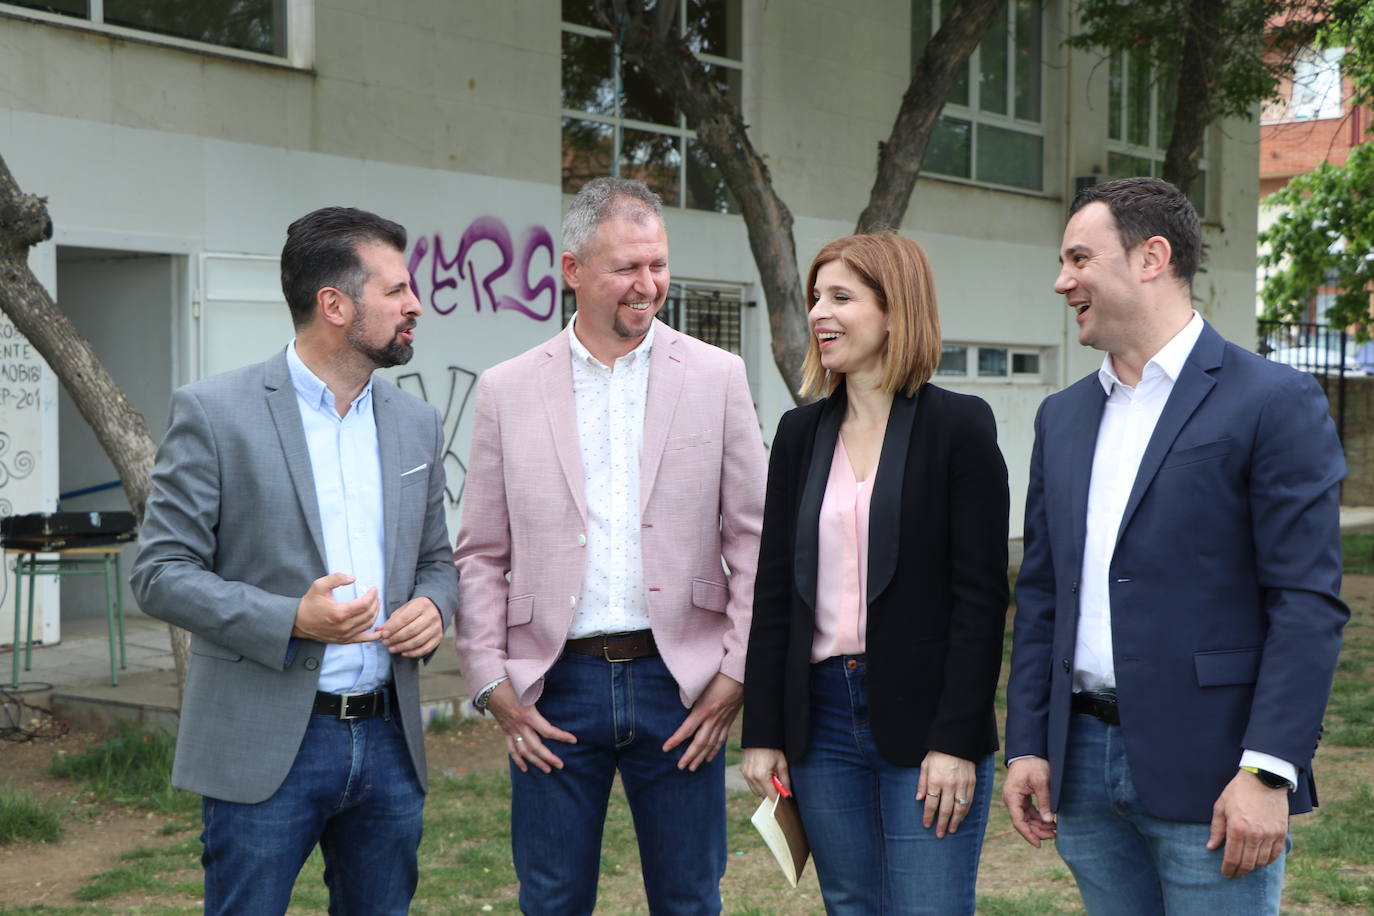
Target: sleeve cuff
[[1273, 764]]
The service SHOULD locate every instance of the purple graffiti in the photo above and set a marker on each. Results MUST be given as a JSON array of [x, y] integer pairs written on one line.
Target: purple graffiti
[[484, 257]]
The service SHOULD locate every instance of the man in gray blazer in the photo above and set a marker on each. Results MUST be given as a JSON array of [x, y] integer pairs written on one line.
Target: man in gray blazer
[[296, 528]]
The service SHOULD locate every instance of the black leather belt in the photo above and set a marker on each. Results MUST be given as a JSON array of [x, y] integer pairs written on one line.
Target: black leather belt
[[615, 647], [351, 705], [1099, 705]]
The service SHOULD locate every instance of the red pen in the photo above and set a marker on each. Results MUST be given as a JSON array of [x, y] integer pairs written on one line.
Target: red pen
[[777, 784]]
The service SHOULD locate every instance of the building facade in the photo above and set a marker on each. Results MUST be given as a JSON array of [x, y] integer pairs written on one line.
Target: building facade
[[175, 142]]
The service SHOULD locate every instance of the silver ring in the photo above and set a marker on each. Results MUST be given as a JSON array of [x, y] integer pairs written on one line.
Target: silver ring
[[960, 801], [933, 794], [518, 739]]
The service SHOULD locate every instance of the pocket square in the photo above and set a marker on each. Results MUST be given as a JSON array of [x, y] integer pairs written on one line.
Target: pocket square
[[414, 469]]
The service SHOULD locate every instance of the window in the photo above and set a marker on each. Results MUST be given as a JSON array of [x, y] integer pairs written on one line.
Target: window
[[616, 121], [709, 312], [1316, 84], [989, 362], [990, 130], [257, 26], [1140, 119]]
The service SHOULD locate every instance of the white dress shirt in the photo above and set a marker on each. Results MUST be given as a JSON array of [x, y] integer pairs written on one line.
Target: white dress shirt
[[1128, 421], [610, 430], [345, 462]]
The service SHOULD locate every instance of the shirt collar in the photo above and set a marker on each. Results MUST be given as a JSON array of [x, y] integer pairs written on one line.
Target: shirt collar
[[582, 354], [311, 389], [1168, 361]]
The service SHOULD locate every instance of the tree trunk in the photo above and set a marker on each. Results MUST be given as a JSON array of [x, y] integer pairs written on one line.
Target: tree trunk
[[647, 39], [900, 158], [1197, 79], [120, 429]]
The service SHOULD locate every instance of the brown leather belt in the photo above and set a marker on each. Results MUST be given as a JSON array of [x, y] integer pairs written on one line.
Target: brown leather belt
[[615, 647], [351, 705], [1098, 705]]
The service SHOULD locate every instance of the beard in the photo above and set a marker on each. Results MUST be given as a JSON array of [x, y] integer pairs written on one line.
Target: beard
[[624, 332], [396, 352]]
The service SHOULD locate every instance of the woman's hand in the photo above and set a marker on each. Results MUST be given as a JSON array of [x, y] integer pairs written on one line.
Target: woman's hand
[[760, 765], [946, 786]]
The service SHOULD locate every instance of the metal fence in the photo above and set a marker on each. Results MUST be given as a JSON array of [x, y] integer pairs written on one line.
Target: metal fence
[[1326, 352], [713, 320]]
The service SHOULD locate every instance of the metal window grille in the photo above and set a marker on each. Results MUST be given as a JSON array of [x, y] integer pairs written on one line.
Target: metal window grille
[[709, 319]]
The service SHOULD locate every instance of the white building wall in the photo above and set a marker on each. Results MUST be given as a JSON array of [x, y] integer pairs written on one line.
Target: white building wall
[[445, 116]]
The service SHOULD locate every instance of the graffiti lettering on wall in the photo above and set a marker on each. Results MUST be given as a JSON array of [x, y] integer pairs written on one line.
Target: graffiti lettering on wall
[[15, 467], [487, 270], [20, 371], [452, 406]]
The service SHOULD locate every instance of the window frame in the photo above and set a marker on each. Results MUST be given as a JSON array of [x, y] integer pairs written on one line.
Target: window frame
[[618, 123], [972, 360], [300, 33], [1155, 149], [973, 113]]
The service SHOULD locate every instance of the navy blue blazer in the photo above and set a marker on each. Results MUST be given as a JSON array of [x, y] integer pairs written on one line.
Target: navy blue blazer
[[1224, 584]]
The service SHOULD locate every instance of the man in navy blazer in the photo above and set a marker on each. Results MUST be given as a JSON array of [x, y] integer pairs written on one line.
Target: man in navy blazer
[[1178, 612]]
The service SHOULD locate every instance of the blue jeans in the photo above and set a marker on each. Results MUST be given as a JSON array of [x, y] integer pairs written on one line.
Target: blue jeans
[[1127, 862], [621, 713], [353, 790], [861, 815]]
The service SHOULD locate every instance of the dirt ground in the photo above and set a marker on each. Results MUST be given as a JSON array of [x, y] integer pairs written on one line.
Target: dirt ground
[[96, 834]]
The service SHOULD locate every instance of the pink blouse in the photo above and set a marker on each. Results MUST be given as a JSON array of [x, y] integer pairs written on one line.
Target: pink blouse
[[842, 567]]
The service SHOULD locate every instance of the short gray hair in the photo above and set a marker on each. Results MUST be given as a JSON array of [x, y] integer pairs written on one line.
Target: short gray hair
[[606, 198]]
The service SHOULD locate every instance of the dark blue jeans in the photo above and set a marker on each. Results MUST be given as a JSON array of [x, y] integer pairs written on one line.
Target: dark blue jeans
[[872, 854], [621, 713], [353, 790]]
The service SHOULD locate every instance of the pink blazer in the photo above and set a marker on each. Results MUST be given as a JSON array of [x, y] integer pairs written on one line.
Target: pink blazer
[[520, 551]]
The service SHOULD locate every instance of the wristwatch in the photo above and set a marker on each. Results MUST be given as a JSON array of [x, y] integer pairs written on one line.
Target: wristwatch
[[1272, 780], [480, 701]]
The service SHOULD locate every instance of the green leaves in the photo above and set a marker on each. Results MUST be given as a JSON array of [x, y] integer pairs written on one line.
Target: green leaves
[[1324, 238]]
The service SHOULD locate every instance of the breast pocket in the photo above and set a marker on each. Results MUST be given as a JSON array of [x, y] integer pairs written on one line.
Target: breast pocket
[[1206, 452]]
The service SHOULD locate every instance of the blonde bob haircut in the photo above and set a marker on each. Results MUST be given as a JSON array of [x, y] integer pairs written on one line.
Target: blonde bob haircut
[[896, 269]]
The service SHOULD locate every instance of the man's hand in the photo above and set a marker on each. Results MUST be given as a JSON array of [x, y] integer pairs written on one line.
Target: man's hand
[[321, 618], [1027, 797], [760, 765], [414, 629], [946, 786], [1251, 820], [708, 723], [525, 730]]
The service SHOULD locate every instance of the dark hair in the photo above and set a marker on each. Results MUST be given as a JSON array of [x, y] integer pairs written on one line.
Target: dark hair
[[1146, 207], [322, 250]]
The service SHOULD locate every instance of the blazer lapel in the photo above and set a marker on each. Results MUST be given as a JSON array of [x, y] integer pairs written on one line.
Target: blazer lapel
[[666, 371], [1193, 384], [885, 505], [389, 448], [286, 416], [1082, 447], [560, 406], [807, 548]]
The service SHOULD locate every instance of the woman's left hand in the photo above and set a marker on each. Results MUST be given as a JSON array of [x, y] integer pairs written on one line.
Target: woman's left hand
[[946, 786]]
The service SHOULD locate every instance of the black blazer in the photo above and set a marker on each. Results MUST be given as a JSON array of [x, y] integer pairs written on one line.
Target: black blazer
[[937, 578]]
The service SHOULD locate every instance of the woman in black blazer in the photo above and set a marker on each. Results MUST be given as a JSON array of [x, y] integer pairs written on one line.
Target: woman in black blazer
[[881, 596]]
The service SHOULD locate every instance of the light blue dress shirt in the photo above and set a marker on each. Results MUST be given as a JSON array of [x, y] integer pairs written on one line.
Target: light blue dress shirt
[[346, 464]]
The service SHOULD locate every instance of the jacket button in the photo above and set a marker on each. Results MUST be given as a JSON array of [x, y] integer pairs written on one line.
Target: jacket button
[[581, 540], [1067, 668], [312, 663], [1074, 588]]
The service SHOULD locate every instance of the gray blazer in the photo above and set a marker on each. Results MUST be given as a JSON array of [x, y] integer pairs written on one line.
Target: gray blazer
[[230, 542]]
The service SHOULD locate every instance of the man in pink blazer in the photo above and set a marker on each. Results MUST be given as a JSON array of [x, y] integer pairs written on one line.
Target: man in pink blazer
[[612, 470]]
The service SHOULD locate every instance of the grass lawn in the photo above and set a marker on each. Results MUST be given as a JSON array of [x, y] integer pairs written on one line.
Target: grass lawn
[[465, 857]]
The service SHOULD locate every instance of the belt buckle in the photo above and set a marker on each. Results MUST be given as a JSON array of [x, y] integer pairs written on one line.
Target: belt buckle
[[606, 650], [343, 704]]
